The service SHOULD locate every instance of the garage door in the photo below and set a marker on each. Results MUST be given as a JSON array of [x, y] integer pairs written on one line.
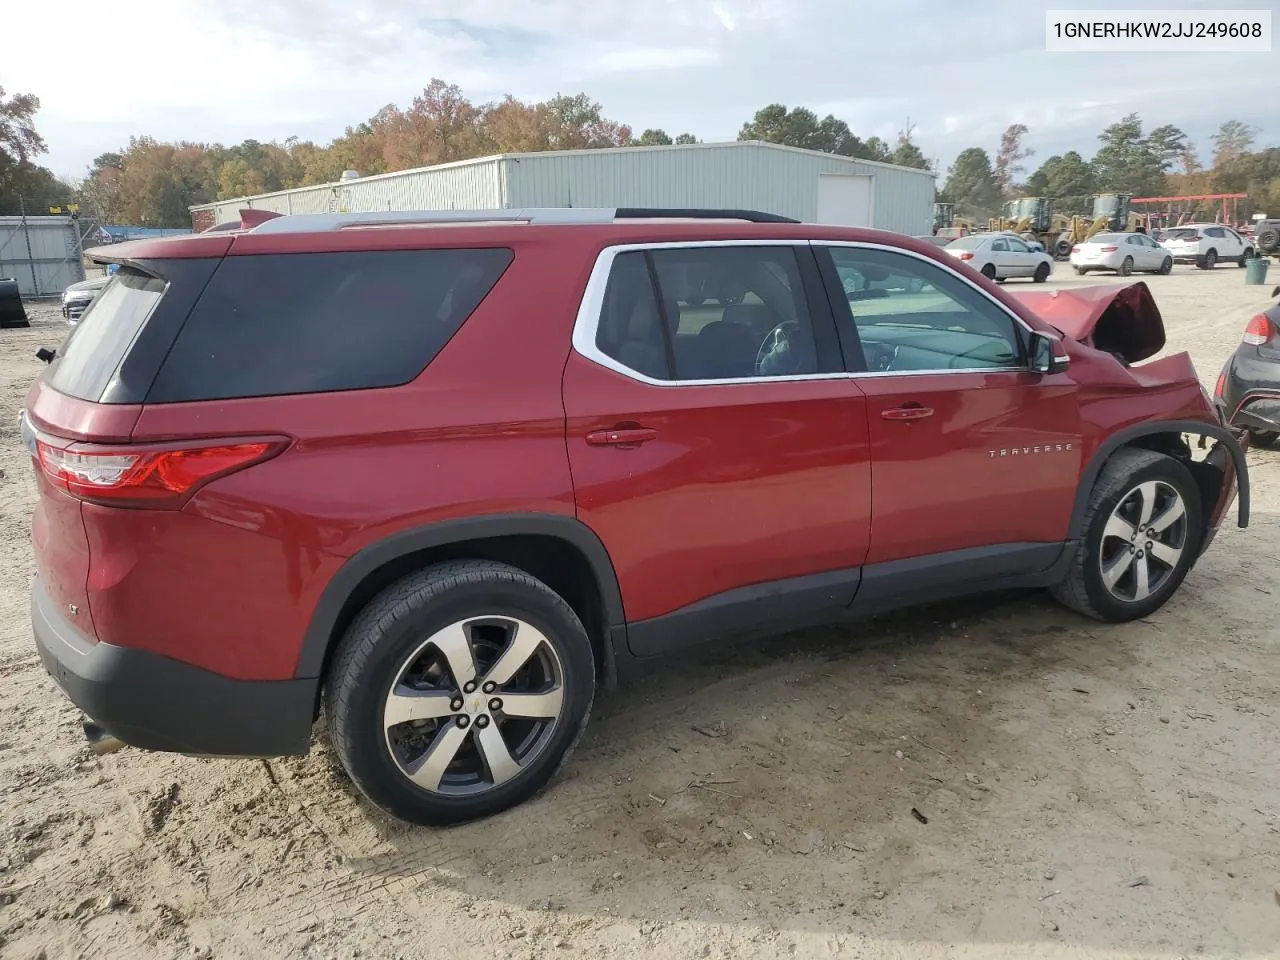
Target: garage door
[[844, 200]]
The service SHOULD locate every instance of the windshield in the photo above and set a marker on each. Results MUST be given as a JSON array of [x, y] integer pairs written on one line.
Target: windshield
[[1106, 206], [965, 243]]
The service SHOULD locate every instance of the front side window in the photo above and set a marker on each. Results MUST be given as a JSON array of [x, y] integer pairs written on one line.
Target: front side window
[[1017, 246], [708, 313], [910, 315]]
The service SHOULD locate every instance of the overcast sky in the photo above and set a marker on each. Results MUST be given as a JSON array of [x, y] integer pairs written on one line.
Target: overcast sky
[[227, 70]]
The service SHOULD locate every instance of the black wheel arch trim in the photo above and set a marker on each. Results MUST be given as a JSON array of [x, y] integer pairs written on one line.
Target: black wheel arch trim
[[1124, 437], [316, 641]]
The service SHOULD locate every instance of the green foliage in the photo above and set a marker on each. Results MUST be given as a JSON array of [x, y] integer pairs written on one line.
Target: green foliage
[[1128, 162], [801, 127], [1068, 175], [653, 138], [971, 185]]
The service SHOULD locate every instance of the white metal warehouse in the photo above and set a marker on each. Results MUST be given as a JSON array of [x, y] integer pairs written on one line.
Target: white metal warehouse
[[803, 184]]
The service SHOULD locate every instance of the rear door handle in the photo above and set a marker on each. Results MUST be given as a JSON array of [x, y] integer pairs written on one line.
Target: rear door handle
[[621, 437], [908, 411]]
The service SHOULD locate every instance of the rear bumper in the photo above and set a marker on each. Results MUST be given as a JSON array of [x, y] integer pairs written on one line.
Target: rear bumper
[[1251, 390], [157, 703]]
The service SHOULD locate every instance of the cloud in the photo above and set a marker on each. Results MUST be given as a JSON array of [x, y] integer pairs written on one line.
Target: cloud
[[224, 70]]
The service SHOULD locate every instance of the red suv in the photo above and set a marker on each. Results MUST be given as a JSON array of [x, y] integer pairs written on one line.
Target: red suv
[[445, 474]]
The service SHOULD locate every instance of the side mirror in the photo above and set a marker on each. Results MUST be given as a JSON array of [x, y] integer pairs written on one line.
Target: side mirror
[[1043, 358]]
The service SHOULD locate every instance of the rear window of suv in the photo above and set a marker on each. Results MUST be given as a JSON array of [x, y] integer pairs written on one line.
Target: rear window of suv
[[275, 324], [91, 353]]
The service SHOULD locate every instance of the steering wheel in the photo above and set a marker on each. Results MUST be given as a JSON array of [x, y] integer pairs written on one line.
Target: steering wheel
[[779, 353]]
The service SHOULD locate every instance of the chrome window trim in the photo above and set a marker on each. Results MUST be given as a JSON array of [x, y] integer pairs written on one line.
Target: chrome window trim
[[587, 323]]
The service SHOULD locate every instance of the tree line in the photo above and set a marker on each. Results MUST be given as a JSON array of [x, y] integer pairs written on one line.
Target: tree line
[[1159, 162], [150, 182]]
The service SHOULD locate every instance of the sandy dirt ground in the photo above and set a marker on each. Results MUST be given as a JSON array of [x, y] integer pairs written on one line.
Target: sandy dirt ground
[[1090, 791]]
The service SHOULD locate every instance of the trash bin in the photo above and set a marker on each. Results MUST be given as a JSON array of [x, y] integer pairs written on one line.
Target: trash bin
[[1255, 270]]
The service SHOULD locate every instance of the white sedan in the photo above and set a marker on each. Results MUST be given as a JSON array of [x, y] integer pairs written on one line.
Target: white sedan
[[1001, 256], [1122, 252]]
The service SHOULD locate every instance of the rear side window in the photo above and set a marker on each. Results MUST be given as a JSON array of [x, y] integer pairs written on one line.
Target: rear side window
[[91, 353], [278, 324]]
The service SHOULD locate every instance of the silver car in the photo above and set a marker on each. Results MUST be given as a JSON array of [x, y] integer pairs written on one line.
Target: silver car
[[1122, 252], [77, 298]]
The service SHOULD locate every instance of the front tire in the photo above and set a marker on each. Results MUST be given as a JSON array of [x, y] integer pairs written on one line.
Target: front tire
[[1041, 274], [1126, 267], [1142, 534], [1245, 257], [1166, 268], [459, 692]]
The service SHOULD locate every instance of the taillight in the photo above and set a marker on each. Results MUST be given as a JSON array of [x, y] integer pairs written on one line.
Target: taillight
[[1109, 249], [1221, 385], [966, 255], [158, 478], [1075, 249], [1259, 330]]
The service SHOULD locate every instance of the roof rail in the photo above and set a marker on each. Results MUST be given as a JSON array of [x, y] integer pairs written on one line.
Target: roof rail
[[328, 222], [697, 213]]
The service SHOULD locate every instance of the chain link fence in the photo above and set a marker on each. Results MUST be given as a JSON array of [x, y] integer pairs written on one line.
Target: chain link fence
[[43, 249]]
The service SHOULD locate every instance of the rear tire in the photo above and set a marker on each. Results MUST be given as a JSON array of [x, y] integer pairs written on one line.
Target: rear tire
[[459, 754], [1041, 274], [1126, 267], [1125, 568], [989, 271], [1208, 261], [1080, 271], [1264, 438]]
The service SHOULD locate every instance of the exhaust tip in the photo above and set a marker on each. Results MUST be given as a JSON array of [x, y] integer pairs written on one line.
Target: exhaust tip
[[100, 742]]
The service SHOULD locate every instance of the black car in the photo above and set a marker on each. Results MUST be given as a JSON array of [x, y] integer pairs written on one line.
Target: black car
[[1248, 391]]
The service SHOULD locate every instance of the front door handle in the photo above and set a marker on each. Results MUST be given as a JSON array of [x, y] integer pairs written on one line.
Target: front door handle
[[621, 437], [908, 411]]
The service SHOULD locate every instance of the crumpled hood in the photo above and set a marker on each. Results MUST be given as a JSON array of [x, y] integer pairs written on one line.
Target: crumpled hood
[[1119, 319]]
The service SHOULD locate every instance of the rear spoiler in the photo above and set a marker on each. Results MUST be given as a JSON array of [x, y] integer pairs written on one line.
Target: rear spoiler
[[249, 218], [212, 242]]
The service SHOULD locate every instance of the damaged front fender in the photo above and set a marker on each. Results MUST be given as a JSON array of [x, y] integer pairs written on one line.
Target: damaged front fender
[[1226, 461]]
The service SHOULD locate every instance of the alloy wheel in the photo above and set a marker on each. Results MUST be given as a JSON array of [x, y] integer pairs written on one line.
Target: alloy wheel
[[473, 705], [1143, 541]]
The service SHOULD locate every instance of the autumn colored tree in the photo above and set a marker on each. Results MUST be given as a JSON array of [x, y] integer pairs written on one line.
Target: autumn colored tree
[[1010, 156]]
